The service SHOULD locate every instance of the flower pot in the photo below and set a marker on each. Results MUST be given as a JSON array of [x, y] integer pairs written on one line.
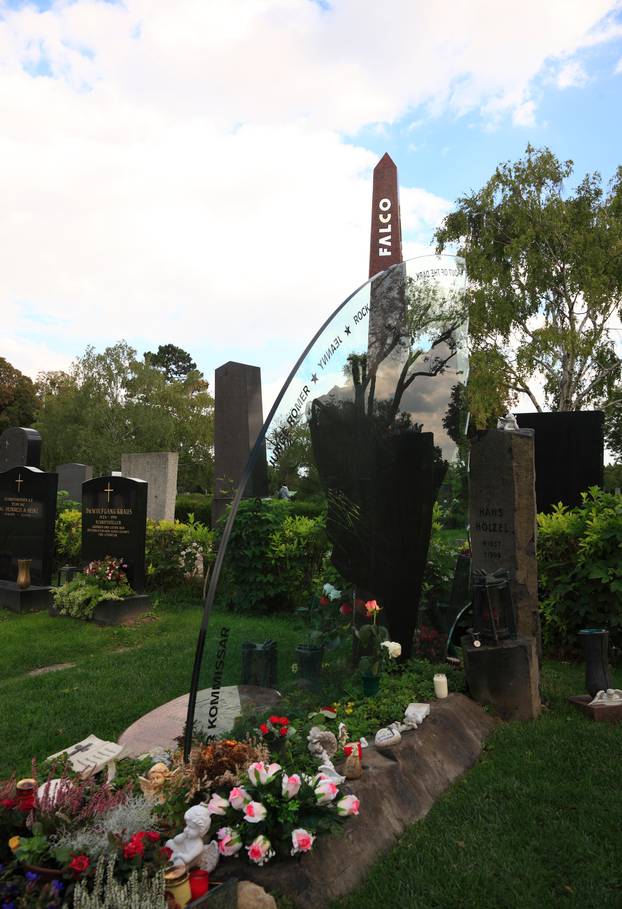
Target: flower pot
[[371, 685], [309, 661], [595, 649]]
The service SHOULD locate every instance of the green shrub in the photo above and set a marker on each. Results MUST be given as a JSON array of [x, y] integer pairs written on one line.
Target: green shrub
[[68, 538], [175, 552], [272, 557], [580, 569], [194, 503]]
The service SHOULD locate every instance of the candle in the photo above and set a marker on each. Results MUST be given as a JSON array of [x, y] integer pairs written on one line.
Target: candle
[[440, 685]]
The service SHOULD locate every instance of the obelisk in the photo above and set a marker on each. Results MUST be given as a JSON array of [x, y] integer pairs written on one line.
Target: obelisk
[[385, 247]]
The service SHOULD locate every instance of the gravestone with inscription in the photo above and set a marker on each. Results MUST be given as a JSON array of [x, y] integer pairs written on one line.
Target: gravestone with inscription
[[71, 477], [386, 231], [114, 523], [502, 509], [20, 447], [27, 517], [237, 422]]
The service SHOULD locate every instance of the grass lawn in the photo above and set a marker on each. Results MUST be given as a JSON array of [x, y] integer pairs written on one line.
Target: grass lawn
[[120, 673], [536, 823]]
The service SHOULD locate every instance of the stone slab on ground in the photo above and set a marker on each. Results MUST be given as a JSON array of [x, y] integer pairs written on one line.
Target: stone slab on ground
[[600, 713], [162, 726], [31, 599], [398, 787]]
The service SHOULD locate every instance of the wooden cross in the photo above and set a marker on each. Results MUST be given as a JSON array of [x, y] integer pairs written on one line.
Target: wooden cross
[[19, 482], [108, 489]]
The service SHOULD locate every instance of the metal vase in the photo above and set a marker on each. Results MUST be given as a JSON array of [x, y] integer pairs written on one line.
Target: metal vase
[[23, 573], [596, 649]]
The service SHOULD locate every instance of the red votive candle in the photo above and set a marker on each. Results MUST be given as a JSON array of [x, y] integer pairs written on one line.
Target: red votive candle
[[199, 882]]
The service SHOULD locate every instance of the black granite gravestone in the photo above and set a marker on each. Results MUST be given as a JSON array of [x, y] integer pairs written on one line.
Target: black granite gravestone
[[569, 455], [27, 517], [71, 477], [20, 447], [114, 523]]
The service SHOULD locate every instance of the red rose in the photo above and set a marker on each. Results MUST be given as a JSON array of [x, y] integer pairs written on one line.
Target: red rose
[[139, 837], [324, 601], [166, 853], [345, 609], [134, 847], [153, 836], [263, 728], [79, 863], [283, 730]]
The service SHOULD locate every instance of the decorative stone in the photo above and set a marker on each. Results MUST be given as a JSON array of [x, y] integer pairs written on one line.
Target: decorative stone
[[388, 737], [504, 676], [252, 896], [415, 714], [321, 742]]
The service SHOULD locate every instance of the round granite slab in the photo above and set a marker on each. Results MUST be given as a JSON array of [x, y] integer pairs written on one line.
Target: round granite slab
[[162, 726]]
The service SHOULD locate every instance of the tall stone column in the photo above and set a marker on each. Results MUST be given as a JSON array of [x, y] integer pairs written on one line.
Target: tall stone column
[[238, 418]]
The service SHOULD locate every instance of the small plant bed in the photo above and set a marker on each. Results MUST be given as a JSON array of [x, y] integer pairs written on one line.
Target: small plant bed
[[101, 593]]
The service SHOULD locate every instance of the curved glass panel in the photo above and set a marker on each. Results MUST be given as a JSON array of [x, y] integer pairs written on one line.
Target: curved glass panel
[[374, 404]]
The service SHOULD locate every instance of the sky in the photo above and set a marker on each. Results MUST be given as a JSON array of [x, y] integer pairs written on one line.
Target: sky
[[198, 172]]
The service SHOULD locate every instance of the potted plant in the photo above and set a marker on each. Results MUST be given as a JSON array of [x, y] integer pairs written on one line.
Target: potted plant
[[323, 618], [374, 639]]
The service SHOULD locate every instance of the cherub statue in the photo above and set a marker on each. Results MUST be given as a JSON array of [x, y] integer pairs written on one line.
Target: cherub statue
[[152, 785], [187, 847]]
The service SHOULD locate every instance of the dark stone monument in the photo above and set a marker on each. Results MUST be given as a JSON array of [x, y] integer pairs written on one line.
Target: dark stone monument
[[71, 477], [386, 231], [569, 455], [20, 447], [238, 419], [27, 517], [114, 523], [502, 509]]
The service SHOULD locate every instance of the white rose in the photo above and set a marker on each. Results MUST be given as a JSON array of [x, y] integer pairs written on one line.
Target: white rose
[[394, 648]]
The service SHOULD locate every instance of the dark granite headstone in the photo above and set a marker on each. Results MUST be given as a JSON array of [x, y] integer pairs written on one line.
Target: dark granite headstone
[[502, 513], [114, 523], [27, 516], [238, 420], [20, 447], [71, 477], [569, 454]]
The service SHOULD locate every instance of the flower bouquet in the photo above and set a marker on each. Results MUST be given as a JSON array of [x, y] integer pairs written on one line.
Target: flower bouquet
[[101, 580], [377, 648]]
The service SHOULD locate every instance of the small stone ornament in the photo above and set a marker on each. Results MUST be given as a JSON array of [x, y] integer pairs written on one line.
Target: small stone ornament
[[612, 697], [151, 786], [415, 715], [388, 737], [322, 743], [507, 423]]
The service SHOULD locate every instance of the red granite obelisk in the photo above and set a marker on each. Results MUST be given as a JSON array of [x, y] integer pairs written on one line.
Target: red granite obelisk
[[386, 231]]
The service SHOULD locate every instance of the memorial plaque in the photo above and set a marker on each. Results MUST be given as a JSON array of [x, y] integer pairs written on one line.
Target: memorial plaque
[[71, 477], [114, 523], [19, 447], [27, 517]]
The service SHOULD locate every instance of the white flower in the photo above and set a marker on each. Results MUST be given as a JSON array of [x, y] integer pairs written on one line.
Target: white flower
[[331, 592], [259, 773], [325, 791], [291, 785], [217, 805], [238, 797], [302, 841], [348, 805], [394, 648]]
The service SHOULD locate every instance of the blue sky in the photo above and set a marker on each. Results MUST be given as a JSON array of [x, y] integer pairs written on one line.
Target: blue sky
[[200, 173]]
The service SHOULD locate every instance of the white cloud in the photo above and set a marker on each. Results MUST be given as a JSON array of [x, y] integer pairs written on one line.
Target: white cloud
[[618, 68], [571, 75], [177, 170]]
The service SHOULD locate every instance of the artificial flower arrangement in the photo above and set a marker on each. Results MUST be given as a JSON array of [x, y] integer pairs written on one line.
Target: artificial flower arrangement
[[105, 579], [374, 639], [276, 814]]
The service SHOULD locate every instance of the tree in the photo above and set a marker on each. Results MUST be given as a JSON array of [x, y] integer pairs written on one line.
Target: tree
[[110, 404], [545, 281], [175, 363], [17, 397]]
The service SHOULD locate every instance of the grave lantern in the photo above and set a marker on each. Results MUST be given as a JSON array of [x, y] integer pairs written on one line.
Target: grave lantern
[[493, 612]]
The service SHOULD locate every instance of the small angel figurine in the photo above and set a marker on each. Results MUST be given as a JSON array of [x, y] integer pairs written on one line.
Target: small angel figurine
[[152, 785], [187, 847]]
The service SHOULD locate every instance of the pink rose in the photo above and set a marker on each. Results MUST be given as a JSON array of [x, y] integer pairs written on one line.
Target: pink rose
[[217, 805], [229, 841], [238, 797], [302, 841], [260, 850], [291, 785], [325, 791], [259, 773], [348, 805], [254, 812]]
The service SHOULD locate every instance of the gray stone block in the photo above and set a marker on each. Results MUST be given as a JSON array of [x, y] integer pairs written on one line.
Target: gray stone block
[[159, 470], [504, 676]]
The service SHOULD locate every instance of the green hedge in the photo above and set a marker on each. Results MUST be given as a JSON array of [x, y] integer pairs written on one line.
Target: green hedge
[[194, 503], [580, 569], [173, 551], [273, 557]]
